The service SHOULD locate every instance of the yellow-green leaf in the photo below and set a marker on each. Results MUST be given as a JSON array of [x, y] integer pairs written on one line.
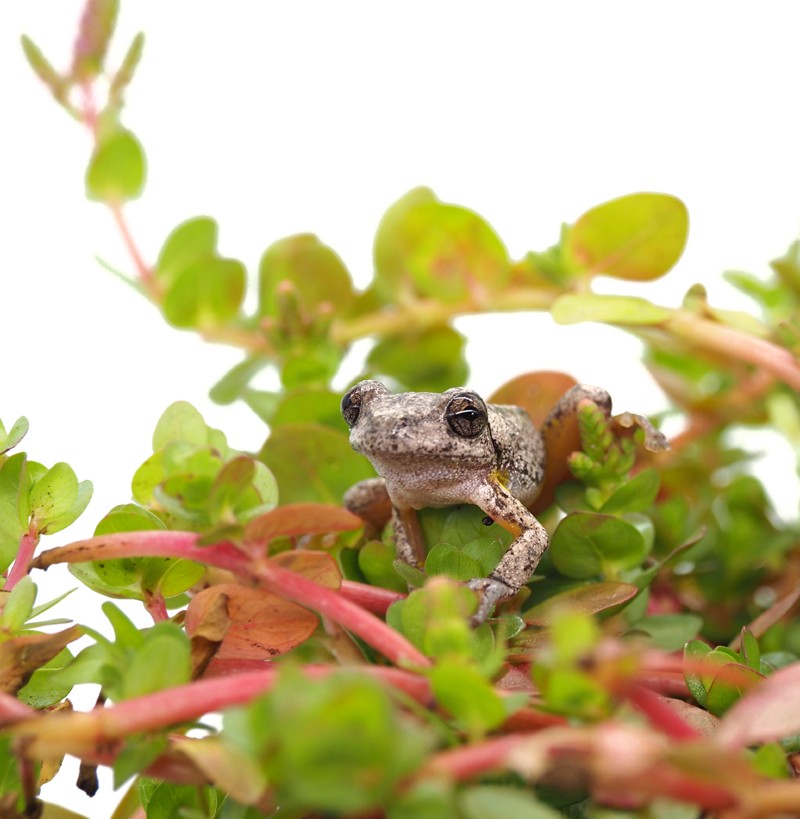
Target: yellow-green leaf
[[637, 237]]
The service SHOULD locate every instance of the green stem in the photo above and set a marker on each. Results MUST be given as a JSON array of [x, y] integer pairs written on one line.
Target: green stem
[[424, 313]]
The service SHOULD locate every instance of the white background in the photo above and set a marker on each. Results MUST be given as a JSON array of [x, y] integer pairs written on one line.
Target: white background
[[278, 118]]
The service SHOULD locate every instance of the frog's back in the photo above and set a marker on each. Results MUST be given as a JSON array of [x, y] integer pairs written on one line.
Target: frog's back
[[520, 450]]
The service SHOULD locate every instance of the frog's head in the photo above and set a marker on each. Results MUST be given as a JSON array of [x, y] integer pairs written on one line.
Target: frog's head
[[448, 428]]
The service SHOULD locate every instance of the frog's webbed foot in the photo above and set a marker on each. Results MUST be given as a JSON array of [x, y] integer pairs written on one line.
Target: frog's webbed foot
[[654, 439], [490, 592]]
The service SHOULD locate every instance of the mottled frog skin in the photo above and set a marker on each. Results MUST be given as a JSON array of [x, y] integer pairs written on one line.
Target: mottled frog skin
[[443, 449]]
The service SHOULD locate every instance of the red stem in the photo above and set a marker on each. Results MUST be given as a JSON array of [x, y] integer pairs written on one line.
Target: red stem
[[12, 710], [660, 714], [371, 598], [27, 546], [469, 761], [185, 703], [338, 608], [270, 576], [159, 543]]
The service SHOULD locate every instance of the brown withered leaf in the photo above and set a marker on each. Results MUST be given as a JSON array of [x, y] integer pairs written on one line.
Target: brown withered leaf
[[317, 566], [537, 393], [297, 519], [20, 656], [261, 625]]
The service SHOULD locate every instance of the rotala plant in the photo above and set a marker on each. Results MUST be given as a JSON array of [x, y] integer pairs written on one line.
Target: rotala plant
[[650, 666]]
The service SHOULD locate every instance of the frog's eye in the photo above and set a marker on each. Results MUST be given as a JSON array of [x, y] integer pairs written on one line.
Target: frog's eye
[[351, 405], [466, 415]]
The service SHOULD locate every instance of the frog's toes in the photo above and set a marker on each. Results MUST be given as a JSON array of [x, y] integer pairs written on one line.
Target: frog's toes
[[491, 592]]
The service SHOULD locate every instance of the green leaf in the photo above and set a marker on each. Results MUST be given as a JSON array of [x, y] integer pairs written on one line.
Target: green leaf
[[670, 632], [751, 653], [8, 440], [234, 383], [724, 692], [44, 689], [572, 308], [429, 360], [14, 488], [452, 562], [180, 421], [468, 696], [311, 363], [207, 292], [637, 237], [696, 651], [439, 250], [124, 73], [117, 169], [313, 463], [314, 269], [305, 405], [73, 512], [590, 598], [164, 800], [392, 241], [635, 495], [426, 799], [41, 66], [18, 605], [376, 562], [586, 545], [502, 802], [191, 241], [162, 661], [123, 577], [53, 495]]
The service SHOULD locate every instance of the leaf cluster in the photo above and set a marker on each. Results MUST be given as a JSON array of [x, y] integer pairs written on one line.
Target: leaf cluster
[[661, 621]]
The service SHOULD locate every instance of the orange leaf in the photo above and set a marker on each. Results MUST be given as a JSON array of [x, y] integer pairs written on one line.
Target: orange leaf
[[299, 519], [261, 625], [21, 656]]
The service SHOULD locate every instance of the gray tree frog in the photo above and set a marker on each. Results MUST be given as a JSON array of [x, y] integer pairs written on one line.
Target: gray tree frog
[[443, 449]]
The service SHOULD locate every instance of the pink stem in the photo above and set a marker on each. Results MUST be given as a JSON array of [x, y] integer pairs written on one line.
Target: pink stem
[[223, 555], [185, 703], [472, 760], [12, 710], [27, 546], [660, 714], [372, 598], [335, 606]]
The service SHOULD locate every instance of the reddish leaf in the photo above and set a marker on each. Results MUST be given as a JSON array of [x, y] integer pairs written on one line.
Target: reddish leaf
[[537, 393], [770, 712], [317, 566], [260, 624], [588, 599], [299, 519], [21, 656]]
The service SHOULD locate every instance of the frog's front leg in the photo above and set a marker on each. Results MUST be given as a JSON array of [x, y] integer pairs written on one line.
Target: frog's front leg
[[523, 555], [370, 500]]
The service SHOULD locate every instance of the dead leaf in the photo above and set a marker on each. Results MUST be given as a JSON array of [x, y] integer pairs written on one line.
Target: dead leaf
[[20, 656], [261, 625], [297, 519], [317, 566]]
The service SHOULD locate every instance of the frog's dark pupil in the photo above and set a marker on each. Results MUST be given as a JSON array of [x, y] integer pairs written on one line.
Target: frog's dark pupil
[[351, 406], [464, 418]]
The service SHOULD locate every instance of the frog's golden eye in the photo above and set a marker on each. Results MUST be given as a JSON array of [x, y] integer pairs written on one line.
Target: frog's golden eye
[[466, 415], [351, 405]]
